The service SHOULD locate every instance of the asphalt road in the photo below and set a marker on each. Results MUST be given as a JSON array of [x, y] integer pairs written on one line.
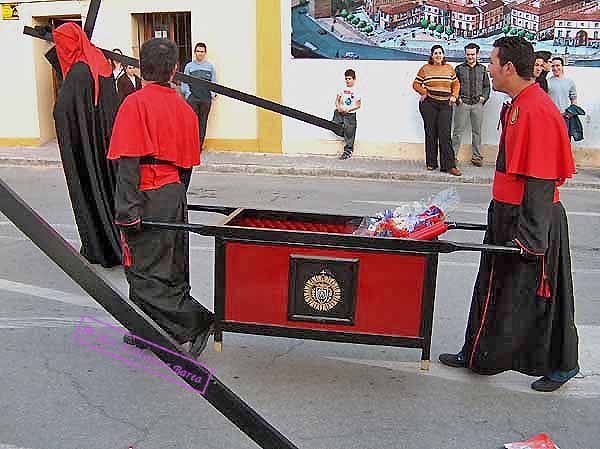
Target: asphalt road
[[57, 394]]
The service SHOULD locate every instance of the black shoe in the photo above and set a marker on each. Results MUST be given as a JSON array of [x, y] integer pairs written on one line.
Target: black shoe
[[477, 162], [198, 345], [454, 360], [345, 156], [554, 381], [131, 340]]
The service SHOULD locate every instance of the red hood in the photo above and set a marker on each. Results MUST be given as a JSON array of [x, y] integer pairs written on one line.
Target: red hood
[[73, 45]]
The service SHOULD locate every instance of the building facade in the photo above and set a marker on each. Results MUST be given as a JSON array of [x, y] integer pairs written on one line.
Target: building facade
[[251, 50], [578, 28]]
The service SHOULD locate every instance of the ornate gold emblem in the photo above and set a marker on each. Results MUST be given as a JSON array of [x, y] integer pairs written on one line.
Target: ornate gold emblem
[[322, 292], [515, 116]]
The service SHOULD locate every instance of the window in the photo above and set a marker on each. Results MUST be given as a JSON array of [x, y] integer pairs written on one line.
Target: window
[[173, 25], [559, 33], [595, 35]]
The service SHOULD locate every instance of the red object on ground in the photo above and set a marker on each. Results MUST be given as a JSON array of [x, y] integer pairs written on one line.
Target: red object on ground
[[541, 441]]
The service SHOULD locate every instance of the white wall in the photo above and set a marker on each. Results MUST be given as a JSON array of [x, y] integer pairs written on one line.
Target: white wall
[[229, 31], [23, 58]]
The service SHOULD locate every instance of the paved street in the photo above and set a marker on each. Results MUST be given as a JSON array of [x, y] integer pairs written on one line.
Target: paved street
[[56, 394]]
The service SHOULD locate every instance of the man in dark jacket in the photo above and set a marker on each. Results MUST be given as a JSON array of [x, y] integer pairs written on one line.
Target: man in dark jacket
[[541, 68], [474, 92], [128, 83]]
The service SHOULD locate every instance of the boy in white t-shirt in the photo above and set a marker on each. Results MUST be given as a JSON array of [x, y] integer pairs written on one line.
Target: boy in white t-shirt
[[347, 102]]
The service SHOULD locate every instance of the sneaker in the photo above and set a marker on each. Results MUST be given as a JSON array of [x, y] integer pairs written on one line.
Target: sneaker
[[454, 360], [345, 156], [477, 162], [554, 381]]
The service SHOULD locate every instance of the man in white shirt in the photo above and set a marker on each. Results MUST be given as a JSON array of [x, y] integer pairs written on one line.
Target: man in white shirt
[[347, 102]]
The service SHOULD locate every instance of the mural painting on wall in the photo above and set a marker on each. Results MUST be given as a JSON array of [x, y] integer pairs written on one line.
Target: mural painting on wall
[[406, 29]]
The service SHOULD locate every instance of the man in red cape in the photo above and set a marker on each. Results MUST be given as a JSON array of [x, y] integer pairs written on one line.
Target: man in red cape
[[156, 142], [522, 311], [84, 114]]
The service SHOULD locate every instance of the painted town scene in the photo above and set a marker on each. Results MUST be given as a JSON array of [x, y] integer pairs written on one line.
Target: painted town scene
[[406, 29]]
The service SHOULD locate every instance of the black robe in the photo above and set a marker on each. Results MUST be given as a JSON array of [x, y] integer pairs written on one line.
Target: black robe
[[84, 132], [522, 309]]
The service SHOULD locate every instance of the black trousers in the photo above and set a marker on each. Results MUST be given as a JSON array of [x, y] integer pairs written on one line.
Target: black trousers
[[202, 109], [437, 120], [157, 267]]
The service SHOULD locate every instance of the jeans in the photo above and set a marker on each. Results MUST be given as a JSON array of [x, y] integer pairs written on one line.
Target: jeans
[[349, 123], [202, 109], [462, 113]]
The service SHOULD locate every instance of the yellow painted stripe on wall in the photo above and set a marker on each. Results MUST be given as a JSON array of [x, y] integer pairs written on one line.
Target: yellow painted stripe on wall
[[268, 66], [19, 142], [241, 145]]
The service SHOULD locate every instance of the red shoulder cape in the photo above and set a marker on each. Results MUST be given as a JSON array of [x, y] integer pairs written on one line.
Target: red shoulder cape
[[155, 121], [537, 140]]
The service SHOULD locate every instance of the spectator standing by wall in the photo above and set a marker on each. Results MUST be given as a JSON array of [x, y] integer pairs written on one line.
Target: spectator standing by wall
[[198, 97], [541, 68], [347, 102], [128, 83], [438, 86], [117, 66], [561, 89], [474, 93]]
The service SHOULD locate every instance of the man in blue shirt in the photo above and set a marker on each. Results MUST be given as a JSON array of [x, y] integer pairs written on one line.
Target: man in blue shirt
[[198, 97]]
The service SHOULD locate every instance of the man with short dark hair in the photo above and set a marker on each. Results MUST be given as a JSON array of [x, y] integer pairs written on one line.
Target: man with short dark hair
[[156, 143], [522, 310], [474, 93], [198, 97], [541, 68], [561, 89]]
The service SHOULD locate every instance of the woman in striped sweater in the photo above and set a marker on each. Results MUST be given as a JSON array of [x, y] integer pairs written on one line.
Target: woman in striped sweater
[[438, 86]]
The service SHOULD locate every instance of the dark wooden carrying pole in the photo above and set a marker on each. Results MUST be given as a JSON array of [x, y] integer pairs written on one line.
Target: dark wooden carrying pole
[[77, 268], [90, 20], [217, 88]]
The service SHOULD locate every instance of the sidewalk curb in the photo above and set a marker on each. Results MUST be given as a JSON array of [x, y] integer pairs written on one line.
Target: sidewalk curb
[[363, 174], [324, 172], [340, 173]]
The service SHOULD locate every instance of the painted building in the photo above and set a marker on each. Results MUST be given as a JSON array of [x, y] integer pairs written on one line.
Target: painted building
[[579, 28], [538, 16], [251, 52], [402, 15]]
